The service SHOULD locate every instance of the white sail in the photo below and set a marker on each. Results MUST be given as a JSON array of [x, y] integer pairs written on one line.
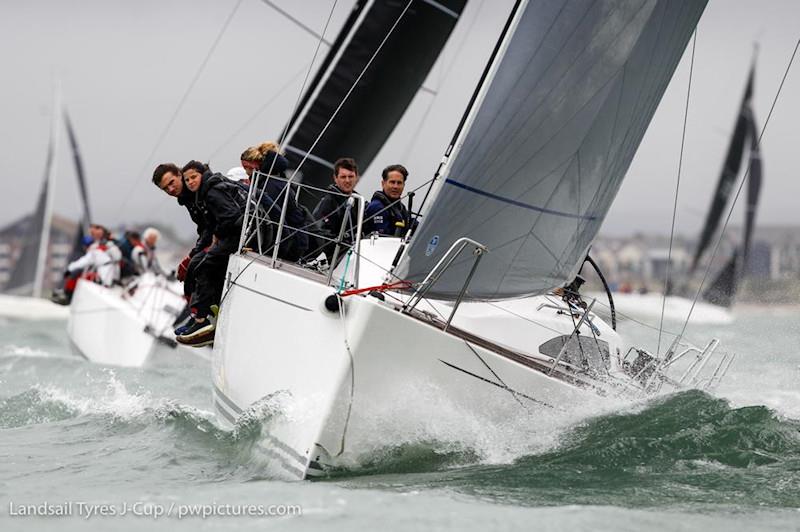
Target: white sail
[[549, 140]]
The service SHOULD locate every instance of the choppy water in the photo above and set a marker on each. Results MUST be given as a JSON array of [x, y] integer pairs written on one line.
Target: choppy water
[[75, 432]]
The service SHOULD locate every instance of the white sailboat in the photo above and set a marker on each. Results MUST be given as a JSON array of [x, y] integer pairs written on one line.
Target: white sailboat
[[130, 326], [461, 316]]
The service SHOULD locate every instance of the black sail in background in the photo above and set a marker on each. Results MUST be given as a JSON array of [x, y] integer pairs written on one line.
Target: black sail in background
[[380, 98], [22, 275], [730, 170], [77, 246]]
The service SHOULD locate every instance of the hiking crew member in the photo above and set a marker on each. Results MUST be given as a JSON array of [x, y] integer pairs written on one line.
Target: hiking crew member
[[221, 203], [168, 178], [329, 212], [269, 161], [386, 214]]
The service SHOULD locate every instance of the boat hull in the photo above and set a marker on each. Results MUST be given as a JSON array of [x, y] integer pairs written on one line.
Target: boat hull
[[106, 327], [334, 386]]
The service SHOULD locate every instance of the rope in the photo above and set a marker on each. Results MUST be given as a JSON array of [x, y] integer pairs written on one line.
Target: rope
[[185, 97], [677, 189], [738, 192], [400, 285]]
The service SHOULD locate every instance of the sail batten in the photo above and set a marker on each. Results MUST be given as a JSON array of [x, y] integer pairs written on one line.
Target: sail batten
[[551, 138]]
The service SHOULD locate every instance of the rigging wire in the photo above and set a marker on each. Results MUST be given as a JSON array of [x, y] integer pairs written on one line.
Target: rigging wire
[[181, 103], [260, 110], [677, 189], [738, 192], [443, 75], [299, 23]]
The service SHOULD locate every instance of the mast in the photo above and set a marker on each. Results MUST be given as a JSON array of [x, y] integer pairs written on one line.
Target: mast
[[44, 237]]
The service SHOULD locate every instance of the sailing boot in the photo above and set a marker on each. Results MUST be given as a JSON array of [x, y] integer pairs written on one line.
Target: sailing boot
[[199, 334]]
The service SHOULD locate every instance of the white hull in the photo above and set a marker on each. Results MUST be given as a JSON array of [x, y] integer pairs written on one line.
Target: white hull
[[341, 386], [106, 326], [31, 308], [647, 307]]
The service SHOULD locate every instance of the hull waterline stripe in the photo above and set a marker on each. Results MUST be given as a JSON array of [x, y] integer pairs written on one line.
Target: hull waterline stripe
[[227, 400], [270, 452], [299, 473], [517, 203], [224, 411], [271, 297], [501, 386]]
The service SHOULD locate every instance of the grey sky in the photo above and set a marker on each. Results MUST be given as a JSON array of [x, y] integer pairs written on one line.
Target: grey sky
[[125, 65]]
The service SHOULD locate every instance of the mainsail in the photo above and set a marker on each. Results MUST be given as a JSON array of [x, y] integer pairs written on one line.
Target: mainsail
[[380, 98], [533, 174], [723, 289], [21, 280]]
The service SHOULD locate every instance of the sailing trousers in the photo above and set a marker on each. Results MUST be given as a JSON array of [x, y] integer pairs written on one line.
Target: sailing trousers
[[209, 276]]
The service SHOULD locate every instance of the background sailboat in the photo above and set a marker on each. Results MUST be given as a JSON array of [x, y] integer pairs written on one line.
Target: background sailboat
[[30, 278], [718, 296]]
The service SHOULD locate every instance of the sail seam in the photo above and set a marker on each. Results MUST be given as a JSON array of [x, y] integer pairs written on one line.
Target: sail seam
[[516, 203]]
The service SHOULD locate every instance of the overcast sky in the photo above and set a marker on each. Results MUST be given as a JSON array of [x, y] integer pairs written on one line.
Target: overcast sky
[[125, 65]]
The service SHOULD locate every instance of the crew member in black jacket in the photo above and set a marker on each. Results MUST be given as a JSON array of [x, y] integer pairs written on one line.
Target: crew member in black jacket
[[168, 178], [330, 211], [221, 203]]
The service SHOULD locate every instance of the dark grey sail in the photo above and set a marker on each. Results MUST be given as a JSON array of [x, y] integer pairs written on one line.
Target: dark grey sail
[[23, 275], [730, 170], [86, 216], [723, 289], [549, 141], [378, 101]]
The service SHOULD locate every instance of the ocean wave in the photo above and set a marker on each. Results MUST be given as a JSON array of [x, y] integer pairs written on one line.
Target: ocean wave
[[687, 448]]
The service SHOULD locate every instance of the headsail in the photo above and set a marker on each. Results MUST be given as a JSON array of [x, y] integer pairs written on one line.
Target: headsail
[[86, 216], [730, 170], [384, 92], [753, 192], [723, 289], [549, 141]]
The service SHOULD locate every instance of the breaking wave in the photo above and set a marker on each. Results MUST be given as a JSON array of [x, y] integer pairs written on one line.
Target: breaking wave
[[688, 448]]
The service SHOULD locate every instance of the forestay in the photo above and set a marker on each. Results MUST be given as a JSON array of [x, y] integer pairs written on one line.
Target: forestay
[[549, 140]]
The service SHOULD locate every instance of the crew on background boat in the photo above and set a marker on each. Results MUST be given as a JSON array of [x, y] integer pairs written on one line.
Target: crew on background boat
[[100, 262], [143, 256], [129, 241], [330, 211], [386, 214], [267, 159], [222, 204]]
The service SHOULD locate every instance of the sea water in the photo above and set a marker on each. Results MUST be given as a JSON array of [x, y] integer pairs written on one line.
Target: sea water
[[86, 446]]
